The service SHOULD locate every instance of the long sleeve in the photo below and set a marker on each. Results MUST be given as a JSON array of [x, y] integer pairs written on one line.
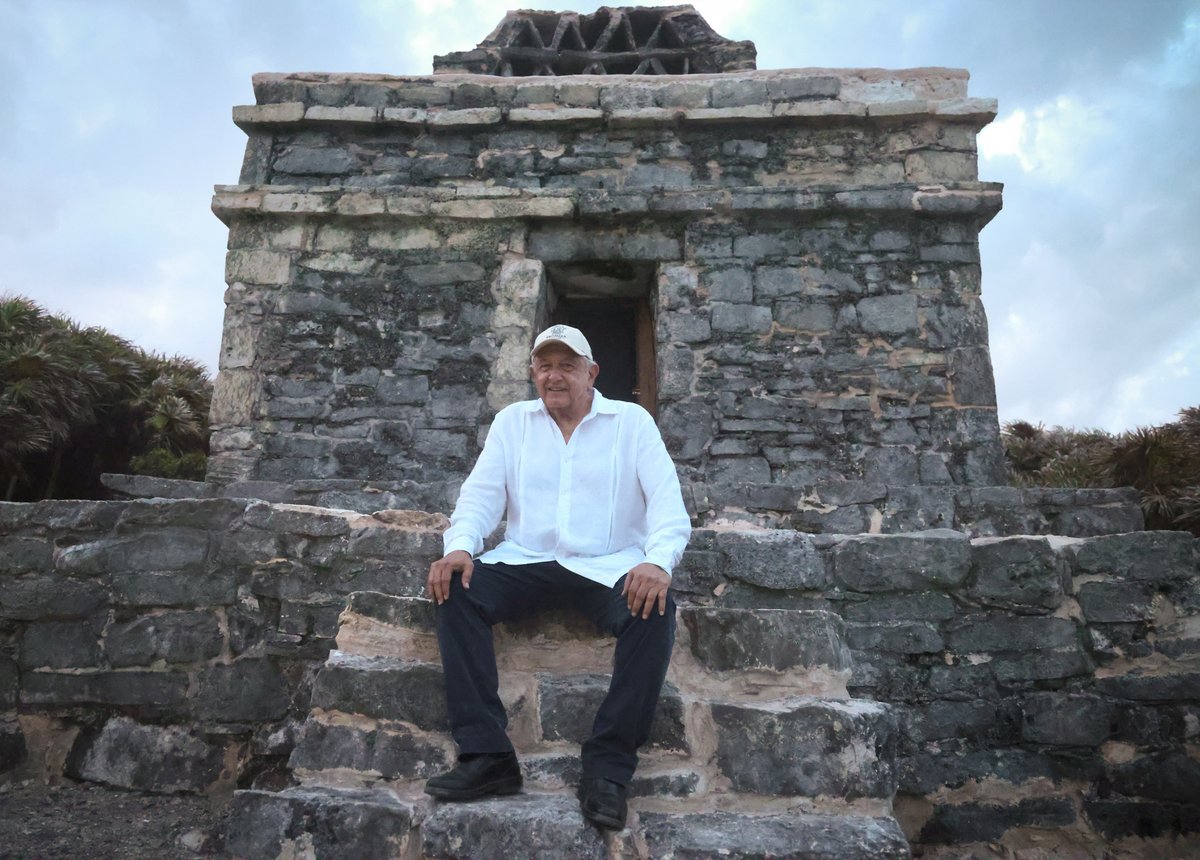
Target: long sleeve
[[668, 526], [483, 496]]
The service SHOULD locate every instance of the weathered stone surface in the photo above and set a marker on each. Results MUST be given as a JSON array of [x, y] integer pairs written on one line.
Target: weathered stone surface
[[909, 562], [60, 645], [1149, 686], [776, 639], [156, 690], [923, 606], [1018, 572], [925, 773], [384, 688], [900, 638], [9, 683], [164, 759], [1142, 556], [569, 704], [982, 822], [843, 749], [1066, 720], [792, 837], [266, 825], [511, 827], [1169, 776], [1117, 818], [249, 689], [778, 559], [998, 631], [393, 752], [1116, 601], [42, 597], [176, 637]]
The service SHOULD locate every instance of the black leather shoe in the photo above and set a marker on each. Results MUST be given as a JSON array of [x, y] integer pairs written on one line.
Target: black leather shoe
[[602, 802], [477, 775]]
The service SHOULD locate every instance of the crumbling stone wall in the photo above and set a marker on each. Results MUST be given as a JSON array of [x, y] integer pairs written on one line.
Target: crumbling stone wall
[[169, 645], [1038, 681], [812, 237]]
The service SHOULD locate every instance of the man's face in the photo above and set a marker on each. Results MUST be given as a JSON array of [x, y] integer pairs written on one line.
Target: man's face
[[563, 379]]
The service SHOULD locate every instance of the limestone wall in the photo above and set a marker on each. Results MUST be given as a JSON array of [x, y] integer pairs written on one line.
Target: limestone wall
[[811, 239], [1040, 682]]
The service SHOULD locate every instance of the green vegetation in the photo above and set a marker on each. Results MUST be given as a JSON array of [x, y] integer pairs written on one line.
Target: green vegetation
[[1162, 463], [75, 402]]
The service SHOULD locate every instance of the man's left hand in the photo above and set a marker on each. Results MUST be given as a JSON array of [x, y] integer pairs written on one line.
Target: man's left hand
[[646, 585]]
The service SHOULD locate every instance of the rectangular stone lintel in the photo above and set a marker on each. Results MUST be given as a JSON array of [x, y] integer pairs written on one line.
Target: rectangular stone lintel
[[245, 116]]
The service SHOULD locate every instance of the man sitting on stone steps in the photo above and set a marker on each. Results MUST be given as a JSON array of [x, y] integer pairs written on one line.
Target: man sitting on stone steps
[[595, 521]]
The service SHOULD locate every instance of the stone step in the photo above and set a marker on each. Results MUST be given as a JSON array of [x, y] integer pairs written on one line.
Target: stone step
[[326, 823], [727, 651], [796, 747]]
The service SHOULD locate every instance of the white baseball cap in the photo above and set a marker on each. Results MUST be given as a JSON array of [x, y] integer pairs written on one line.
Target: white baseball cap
[[570, 337]]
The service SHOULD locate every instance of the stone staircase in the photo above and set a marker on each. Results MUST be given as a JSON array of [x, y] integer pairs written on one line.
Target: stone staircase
[[757, 750]]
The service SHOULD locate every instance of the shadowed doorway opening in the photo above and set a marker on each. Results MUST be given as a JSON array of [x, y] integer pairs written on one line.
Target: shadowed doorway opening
[[609, 301]]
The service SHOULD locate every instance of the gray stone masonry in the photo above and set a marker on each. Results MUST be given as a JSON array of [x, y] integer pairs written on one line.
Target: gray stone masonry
[[810, 239], [172, 645]]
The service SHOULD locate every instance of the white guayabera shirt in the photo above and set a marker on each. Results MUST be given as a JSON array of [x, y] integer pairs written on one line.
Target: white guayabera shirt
[[599, 505]]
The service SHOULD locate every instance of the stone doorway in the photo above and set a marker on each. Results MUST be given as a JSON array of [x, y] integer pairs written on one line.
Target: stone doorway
[[610, 303]]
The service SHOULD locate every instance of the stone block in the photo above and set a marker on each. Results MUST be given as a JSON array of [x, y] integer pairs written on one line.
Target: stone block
[[938, 558], [157, 550], [776, 558], [808, 87], [923, 606], [1141, 556], [738, 93], [319, 822], [1117, 819], [999, 631], [384, 688], [683, 327], [1171, 776], [19, 554], [844, 749], [1116, 601], [745, 319], [729, 285], [569, 704], [806, 316], [439, 274], [898, 638], [988, 723], [215, 587], [889, 315], [315, 161], [984, 822], [176, 637], [250, 690], [733, 836], [160, 759], [971, 376], [156, 690], [1146, 686], [1018, 572], [258, 267], [773, 639], [59, 645], [297, 519], [946, 768], [510, 827], [1066, 719], [392, 752]]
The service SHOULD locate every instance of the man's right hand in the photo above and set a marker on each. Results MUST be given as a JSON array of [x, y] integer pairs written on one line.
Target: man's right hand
[[438, 584]]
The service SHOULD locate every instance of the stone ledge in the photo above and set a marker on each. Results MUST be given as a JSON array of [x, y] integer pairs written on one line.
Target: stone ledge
[[977, 200], [251, 118]]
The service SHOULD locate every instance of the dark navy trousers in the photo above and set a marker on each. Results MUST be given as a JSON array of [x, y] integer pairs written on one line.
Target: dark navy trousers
[[507, 592]]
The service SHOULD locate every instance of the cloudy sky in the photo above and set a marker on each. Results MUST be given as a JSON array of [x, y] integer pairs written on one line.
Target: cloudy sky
[[115, 125]]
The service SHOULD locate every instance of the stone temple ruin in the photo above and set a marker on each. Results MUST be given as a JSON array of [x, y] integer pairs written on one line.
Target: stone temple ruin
[[881, 646]]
